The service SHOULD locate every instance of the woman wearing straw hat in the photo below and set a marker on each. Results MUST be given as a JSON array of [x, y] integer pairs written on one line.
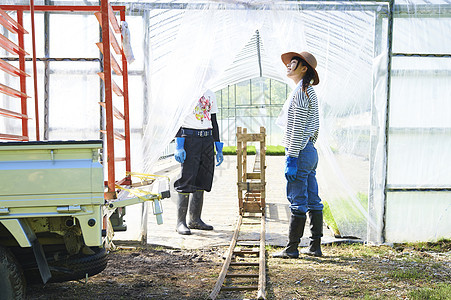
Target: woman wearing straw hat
[[300, 119]]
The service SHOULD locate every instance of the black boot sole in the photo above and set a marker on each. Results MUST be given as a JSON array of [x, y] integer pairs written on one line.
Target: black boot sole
[[200, 226], [285, 255], [310, 253], [183, 232]]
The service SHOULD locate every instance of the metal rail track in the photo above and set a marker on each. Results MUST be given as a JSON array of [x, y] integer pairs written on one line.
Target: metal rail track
[[242, 265], [241, 262]]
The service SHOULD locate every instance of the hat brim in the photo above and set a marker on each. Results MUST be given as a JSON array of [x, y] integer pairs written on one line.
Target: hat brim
[[287, 57]]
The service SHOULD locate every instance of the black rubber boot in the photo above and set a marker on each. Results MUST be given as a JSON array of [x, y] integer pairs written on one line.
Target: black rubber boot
[[182, 208], [295, 233], [195, 209], [316, 229]]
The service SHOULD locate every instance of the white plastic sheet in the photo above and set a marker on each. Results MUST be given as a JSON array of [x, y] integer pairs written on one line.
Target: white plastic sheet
[[211, 38]]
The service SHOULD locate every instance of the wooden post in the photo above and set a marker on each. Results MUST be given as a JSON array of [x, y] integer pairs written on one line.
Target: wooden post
[[263, 167]]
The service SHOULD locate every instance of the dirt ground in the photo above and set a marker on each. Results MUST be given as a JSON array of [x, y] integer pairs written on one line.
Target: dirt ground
[[344, 272]]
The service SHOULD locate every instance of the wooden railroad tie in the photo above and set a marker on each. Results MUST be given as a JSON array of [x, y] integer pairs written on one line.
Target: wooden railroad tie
[[251, 198]]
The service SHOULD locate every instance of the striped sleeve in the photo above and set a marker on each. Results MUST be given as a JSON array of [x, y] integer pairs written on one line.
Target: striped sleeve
[[297, 118], [303, 122]]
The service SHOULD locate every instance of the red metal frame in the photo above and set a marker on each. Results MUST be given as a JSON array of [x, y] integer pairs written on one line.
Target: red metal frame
[[12, 92], [11, 70], [23, 81], [35, 72], [111, 193], [49, 8], [126, 110], [15, 27], [10, 23], [107, 16]]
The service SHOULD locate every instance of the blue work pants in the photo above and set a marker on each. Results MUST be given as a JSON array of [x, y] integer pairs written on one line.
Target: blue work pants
[[303, 191]]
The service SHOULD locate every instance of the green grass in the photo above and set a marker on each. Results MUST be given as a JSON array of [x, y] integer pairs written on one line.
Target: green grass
[[275, 150], [270, 150], [329, 219], [231, 150], [438, 292], [410, 273], [365, 250], [363, 198], [353, 216], [441, 245], [371, 297]]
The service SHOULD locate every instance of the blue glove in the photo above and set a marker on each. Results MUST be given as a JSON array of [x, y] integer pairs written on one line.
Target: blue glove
[[179, 153], [291, 168], [219, 155]]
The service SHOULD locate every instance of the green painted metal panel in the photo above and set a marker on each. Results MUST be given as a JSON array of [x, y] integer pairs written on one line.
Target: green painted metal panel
[[50, 173], [45, 200]]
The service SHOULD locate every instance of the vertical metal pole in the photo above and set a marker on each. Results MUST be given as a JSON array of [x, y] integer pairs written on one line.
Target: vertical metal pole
[[387, 118], [234, 99], [251, 119], [263, 169], [145, 79], [46, 72], [108, 100], [221, 115], [145, 82], [374, 198], [250, 92], [35, 72], [259, 53], [126, 110], [270, 111], [228, 115], [23, 85], [101, 94]]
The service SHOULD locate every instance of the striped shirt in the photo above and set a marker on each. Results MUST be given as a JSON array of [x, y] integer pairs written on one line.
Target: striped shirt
[[303, 122]]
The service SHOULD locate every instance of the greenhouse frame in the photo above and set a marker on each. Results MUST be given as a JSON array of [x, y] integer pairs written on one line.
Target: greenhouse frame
[[385, 92]]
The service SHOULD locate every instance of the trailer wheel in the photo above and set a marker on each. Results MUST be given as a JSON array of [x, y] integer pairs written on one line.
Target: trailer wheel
[[74, 267], [12, 281]]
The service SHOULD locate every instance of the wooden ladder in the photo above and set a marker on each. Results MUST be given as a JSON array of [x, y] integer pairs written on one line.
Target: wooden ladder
[[251, 185]]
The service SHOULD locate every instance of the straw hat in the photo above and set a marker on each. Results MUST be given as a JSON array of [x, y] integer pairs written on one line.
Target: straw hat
[[309, 59]]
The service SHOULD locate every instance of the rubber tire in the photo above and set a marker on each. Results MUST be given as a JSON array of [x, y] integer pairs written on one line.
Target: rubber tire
[[74, 267], [12, 280]]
